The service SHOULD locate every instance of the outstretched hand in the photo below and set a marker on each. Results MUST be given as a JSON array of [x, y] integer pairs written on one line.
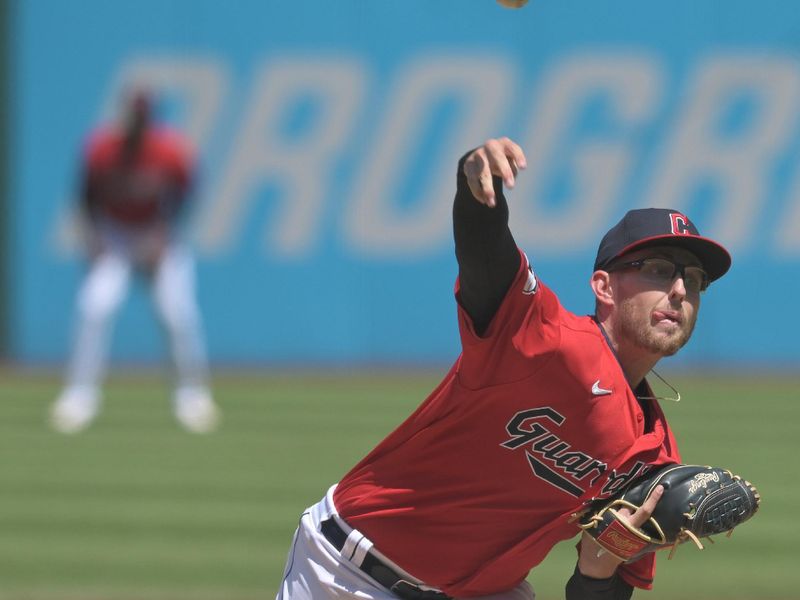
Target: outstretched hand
[[594, 561], [499, 157]]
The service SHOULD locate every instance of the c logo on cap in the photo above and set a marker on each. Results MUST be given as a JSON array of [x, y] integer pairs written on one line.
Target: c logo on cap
[[680, 224]]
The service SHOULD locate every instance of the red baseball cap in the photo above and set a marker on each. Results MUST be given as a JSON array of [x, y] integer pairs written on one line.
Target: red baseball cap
[[644, 227]]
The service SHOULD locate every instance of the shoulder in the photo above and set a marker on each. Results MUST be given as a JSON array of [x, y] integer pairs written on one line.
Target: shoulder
[[580, 326], [170, 149], [549, 326], [99, 142], [170, 140]]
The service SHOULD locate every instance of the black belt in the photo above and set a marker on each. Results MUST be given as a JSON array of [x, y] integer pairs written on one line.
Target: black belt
[[378, 570]]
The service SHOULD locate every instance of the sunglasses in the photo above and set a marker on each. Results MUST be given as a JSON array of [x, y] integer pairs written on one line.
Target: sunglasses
[[663, 271]]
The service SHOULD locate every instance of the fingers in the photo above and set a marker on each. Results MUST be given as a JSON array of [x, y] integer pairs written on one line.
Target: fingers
[[504, 157], [594, 560], [497, 157], [643, 513], [479, 177]]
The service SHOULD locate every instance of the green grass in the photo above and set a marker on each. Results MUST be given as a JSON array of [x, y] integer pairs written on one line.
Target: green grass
[[135, 508]]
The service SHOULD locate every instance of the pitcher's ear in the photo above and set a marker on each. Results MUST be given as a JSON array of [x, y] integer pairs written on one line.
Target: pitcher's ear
[[602, 288]]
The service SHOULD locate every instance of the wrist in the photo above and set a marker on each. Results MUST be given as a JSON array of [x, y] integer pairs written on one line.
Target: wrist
[[593, 571], [595, 561]]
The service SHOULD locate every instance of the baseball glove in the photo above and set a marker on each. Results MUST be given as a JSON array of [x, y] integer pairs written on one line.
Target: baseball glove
[[697, 502]]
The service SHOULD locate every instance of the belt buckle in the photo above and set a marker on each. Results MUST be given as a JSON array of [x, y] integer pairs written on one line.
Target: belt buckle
[[411, 591]]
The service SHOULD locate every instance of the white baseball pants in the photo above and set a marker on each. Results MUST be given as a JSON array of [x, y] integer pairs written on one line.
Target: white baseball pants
[[315, 570], [100, 297]]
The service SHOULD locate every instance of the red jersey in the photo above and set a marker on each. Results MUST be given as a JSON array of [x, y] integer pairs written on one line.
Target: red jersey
[[142, 189], [534, 419]]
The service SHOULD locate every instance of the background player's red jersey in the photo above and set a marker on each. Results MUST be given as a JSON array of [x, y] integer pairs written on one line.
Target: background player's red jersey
[[139, 188], [475, 488]]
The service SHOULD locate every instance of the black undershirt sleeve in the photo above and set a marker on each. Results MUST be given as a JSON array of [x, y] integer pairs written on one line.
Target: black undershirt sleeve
[[580, 587], [487, 254]]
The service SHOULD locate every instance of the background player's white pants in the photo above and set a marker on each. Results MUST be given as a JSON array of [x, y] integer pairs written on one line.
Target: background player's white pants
[[102, 292], [316, 571]]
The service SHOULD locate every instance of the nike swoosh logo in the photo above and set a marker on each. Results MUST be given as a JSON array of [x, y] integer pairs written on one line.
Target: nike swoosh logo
[[598, 391]]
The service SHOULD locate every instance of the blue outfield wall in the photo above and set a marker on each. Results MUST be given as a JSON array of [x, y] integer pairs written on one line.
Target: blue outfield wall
[[328, 133]]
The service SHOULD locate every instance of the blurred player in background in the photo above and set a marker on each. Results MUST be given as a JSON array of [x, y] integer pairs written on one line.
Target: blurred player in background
[[136, 179]]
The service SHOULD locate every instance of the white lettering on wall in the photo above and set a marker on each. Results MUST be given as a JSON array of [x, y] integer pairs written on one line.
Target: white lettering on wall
[[374, 224], [741, 167], [262, 153], [379, 217], [599, 167]]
